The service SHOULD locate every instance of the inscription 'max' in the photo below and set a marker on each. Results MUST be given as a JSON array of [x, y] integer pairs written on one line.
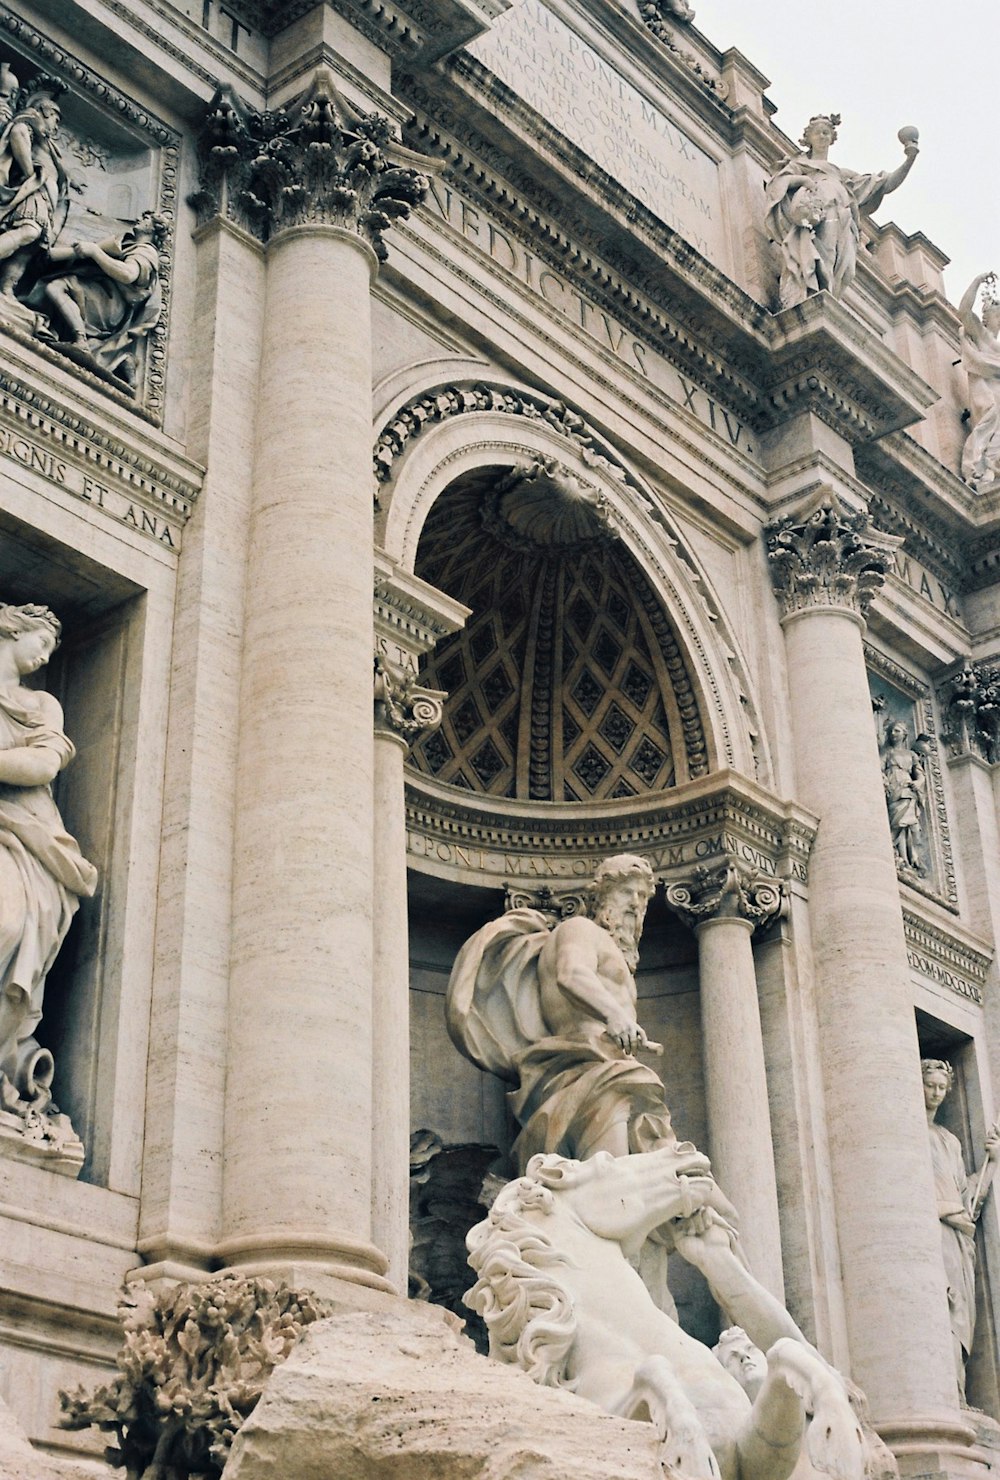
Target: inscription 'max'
[[548, 65]]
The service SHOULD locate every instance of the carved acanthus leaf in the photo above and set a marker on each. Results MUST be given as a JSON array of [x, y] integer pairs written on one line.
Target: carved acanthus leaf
[[731, 889], [315, 161], [970, 701], [828, 557]]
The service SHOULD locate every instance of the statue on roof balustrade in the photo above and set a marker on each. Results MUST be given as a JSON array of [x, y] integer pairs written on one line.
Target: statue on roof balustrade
[[814, 212]]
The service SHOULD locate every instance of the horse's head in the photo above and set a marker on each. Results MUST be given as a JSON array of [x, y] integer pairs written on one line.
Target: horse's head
[[625, 1197]]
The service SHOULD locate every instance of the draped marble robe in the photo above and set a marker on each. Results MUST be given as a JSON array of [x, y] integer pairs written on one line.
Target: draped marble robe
[[814, 216], [43, 875]]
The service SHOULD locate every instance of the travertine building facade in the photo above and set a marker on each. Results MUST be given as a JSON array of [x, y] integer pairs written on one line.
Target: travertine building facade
[[503, 349]]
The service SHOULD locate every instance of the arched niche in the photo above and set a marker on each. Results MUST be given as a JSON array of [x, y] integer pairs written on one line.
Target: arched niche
[[504, 480]]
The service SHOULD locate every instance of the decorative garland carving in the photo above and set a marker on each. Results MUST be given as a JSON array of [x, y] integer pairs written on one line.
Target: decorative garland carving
[[458, 400], [655, 14], [316, 161]]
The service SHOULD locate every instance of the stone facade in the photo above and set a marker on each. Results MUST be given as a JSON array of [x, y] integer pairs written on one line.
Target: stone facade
[[459, 447]]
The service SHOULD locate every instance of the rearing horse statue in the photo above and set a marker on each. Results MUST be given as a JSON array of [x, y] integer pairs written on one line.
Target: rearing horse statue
[[560, 1298]]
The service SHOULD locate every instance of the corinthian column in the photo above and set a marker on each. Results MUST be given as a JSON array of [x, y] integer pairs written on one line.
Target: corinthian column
[[319, 189], [827, 562], [410, 617], [723, 906]]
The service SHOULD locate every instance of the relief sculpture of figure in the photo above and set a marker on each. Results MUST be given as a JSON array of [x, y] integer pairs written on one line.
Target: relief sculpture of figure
[[34, 185], [980, 343], [551, 1008], [43, 874], [905, 781], [960, 1200], [814, 212], [104, 297]]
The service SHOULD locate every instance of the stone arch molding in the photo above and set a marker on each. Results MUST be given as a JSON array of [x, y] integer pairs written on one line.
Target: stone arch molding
[[449, 430]]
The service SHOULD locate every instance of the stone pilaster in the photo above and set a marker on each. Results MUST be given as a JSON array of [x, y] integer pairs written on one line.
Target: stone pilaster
[[827, 563], [315, 182], [410, 617], [723, 905]]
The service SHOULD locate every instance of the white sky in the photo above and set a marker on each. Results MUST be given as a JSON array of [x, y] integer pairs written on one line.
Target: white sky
[[882, 64]]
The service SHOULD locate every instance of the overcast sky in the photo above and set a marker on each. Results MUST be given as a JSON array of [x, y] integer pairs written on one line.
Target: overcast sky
[[882, 64]]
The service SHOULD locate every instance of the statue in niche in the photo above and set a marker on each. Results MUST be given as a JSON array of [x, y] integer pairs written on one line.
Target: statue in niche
[[980, 342], [34, 185], [960, 1200], [550, 1005], [43, 874], [814, 212], [103, 298], [905, 779]]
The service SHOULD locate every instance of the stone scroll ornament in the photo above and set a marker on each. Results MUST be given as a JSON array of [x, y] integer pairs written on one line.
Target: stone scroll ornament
[[93, 301], [980, 342], [43, 877], [960, 1200], [315, 161], [814, 212]]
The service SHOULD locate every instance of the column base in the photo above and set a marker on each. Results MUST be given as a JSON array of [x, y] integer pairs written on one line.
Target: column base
[[949, 1447], [350, 1272]]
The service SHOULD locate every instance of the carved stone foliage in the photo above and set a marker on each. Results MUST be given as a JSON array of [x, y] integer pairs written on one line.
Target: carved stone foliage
[[402, 706], [192, 1367], [830, 556], [85, 234], [731, 889], [316, 161], [970, 704], [446, 1199]]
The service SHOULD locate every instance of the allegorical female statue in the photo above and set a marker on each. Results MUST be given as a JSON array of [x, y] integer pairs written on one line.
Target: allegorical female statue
[[814, 212], [960, 1200], [43, 874], [905, 781], [980, 343]]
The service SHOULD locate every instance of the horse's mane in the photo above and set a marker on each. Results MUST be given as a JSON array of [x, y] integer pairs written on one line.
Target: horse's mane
[[528, 1311]]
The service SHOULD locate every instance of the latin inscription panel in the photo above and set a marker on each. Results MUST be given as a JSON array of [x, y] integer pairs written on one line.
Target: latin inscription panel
[[548, 65]]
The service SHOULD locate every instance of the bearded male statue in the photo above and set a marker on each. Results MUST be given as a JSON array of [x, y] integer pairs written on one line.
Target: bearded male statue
[[552, 1010]]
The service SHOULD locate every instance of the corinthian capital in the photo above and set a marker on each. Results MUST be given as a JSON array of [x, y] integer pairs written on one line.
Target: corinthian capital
[[730, 890], [402, 706], [317, 161], [828, 556]]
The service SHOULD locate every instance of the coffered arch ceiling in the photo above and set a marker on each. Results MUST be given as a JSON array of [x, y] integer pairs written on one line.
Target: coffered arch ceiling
[[568, 683]]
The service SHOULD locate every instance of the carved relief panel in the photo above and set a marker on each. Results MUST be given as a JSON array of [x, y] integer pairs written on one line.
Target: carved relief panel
[[911, 773], [86, 217]]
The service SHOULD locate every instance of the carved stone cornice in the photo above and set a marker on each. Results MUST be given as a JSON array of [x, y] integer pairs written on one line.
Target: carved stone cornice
[[827, 555], [970, 707], [404, 708], [730, 890], [947, 956], [317, 161]]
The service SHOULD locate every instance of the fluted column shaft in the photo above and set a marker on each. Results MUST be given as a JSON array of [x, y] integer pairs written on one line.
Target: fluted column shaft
[[827, 563]]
